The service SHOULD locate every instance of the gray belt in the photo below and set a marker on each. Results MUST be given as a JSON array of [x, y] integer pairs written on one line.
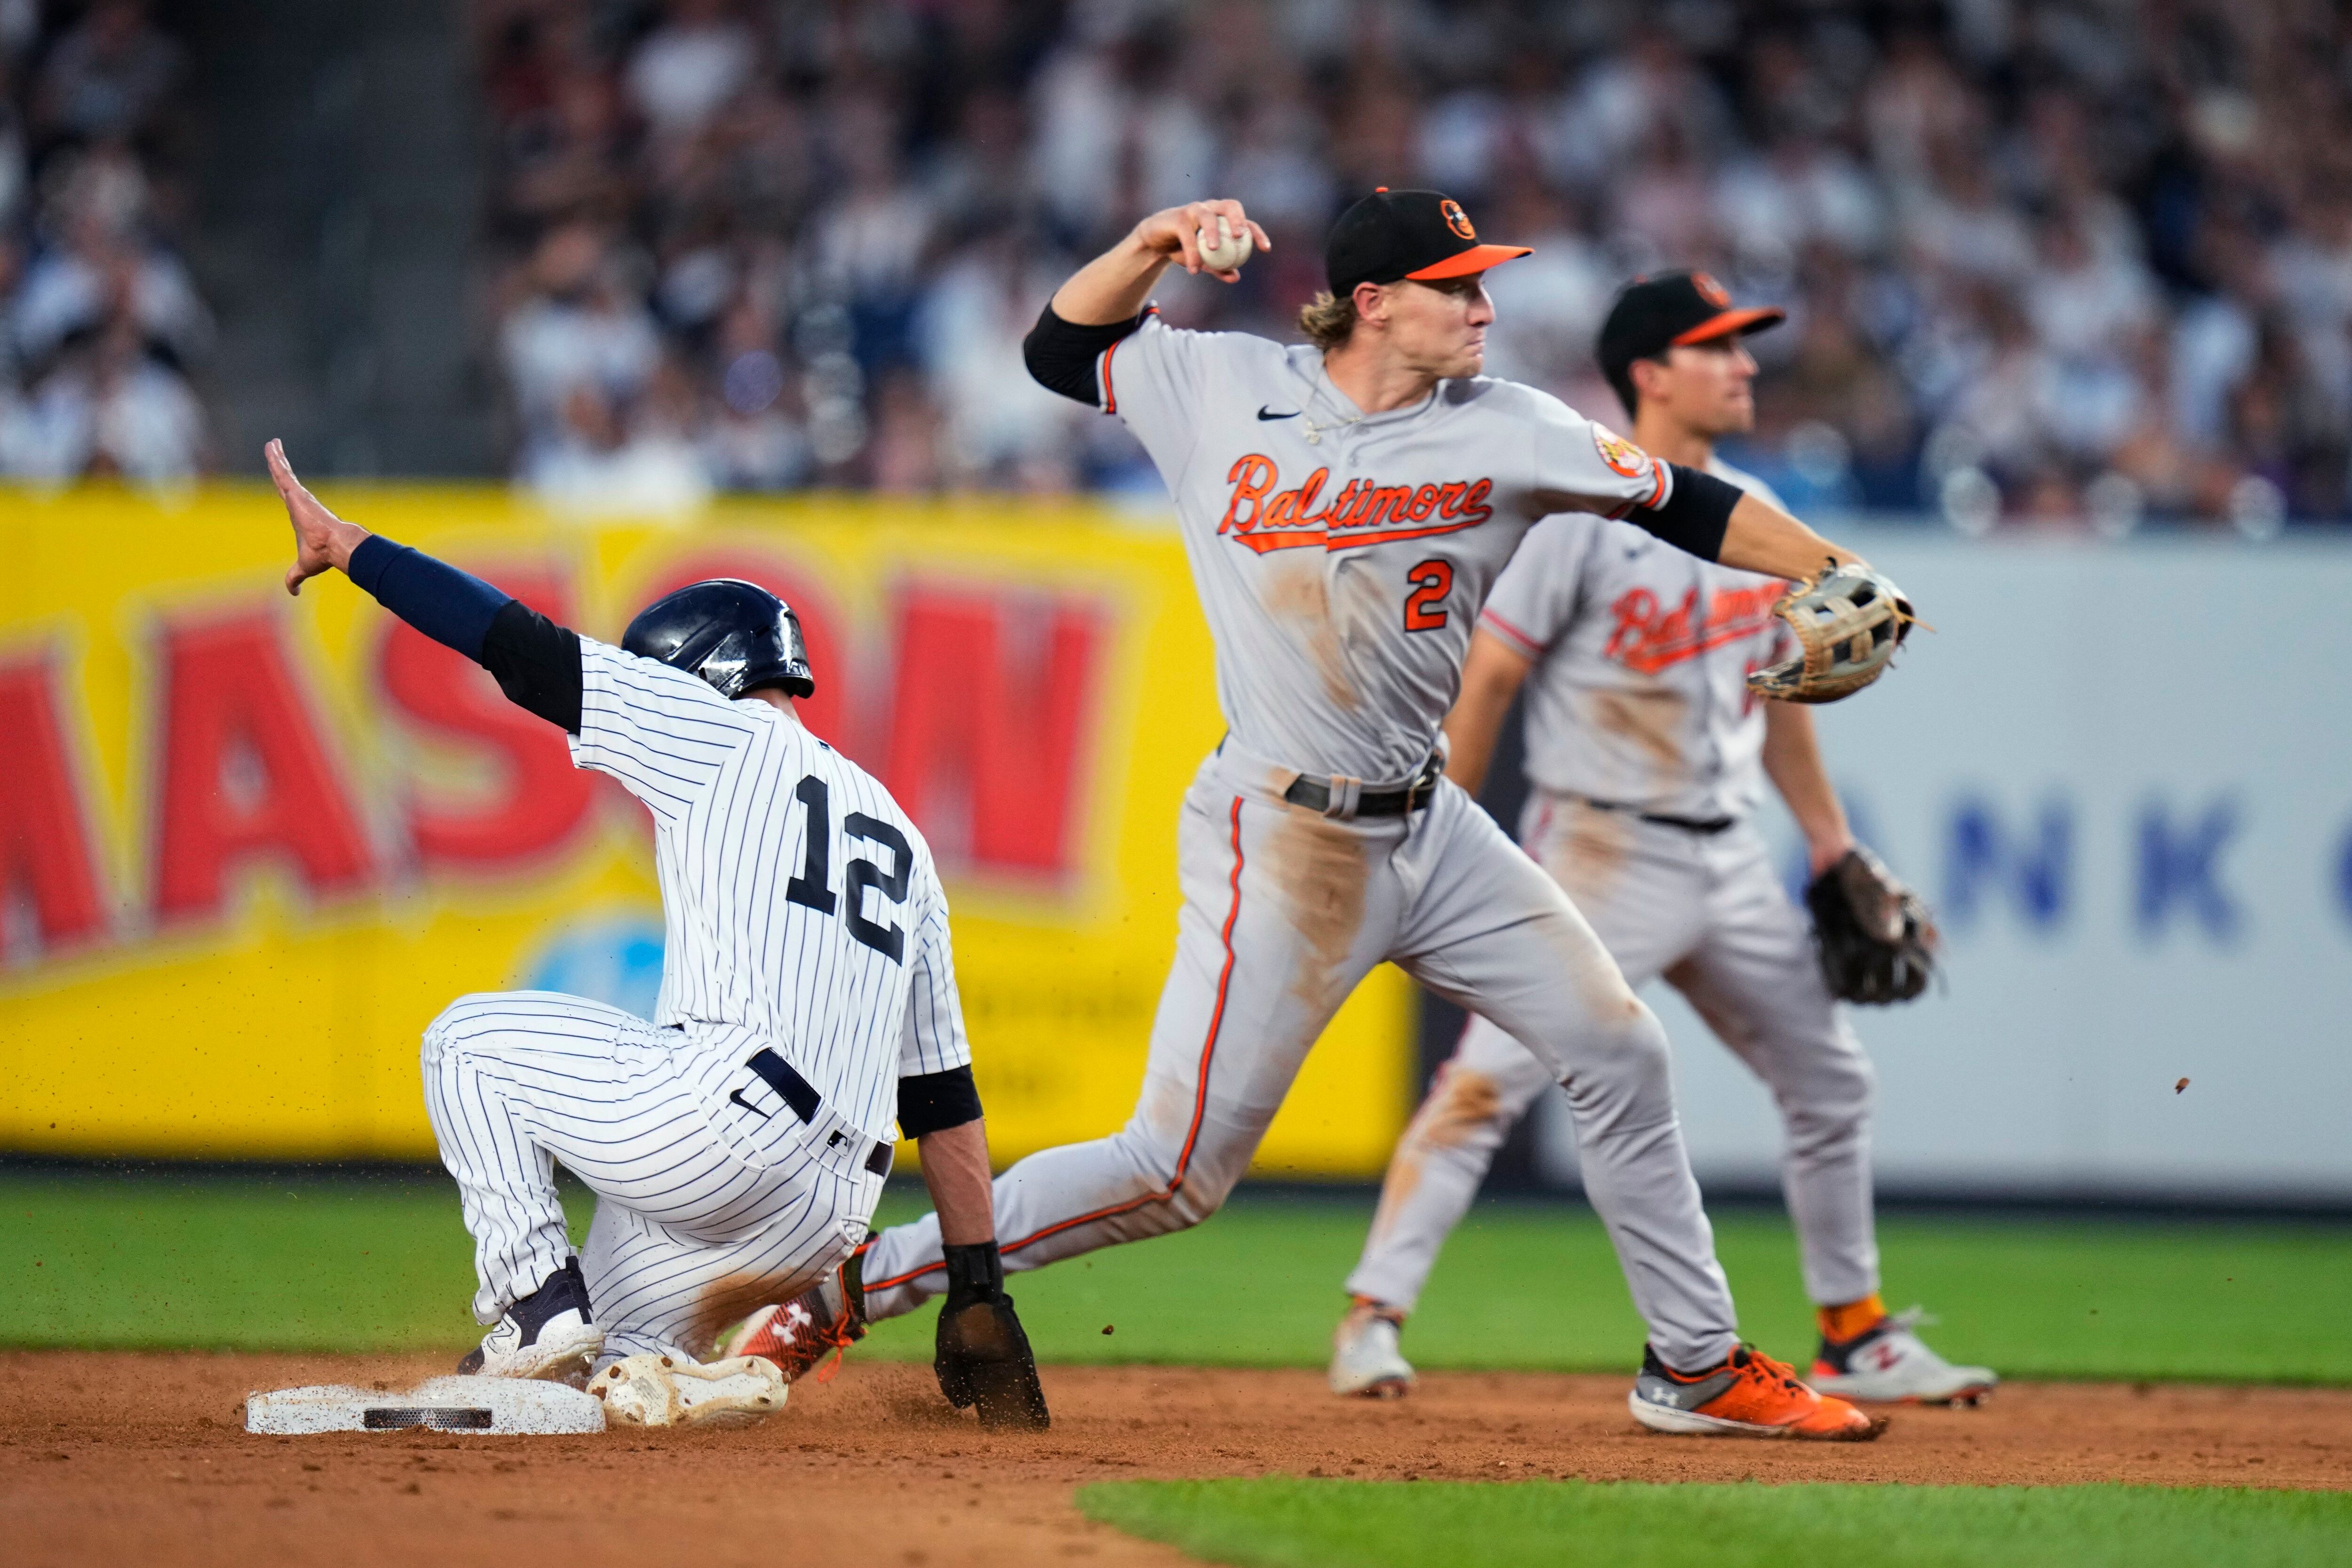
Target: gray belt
[[1346, 798]]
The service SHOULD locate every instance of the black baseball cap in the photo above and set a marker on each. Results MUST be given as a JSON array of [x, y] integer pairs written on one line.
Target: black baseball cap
[[1673, 309], [1422, 235]]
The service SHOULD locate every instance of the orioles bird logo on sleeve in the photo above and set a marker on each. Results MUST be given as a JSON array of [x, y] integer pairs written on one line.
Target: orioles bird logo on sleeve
[[1621, 455]]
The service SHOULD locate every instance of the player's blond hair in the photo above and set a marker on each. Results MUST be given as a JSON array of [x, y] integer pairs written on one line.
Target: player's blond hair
[[1327, 319]]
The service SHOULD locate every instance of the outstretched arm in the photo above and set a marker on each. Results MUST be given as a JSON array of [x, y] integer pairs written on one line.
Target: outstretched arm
[[1761, 537], [1792, 759], [535, 662]]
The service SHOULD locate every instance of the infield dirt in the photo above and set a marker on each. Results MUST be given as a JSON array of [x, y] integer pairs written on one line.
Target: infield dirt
[[137, 1459]]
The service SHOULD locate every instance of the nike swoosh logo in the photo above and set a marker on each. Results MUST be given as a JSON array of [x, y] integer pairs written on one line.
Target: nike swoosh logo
[[737, 1098], [1263, 412]]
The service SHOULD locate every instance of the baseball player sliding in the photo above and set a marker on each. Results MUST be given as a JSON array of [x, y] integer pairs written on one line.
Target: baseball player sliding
[[737, 1146], [1648, 753], [1346, 505]]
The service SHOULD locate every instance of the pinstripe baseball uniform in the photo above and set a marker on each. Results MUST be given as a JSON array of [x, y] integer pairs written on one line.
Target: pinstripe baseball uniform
[[738, 1141], [1342, 559], [1638, 699]]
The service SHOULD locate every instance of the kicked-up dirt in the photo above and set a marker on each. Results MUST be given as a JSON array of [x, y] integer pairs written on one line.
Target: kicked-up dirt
[[137, 1461]]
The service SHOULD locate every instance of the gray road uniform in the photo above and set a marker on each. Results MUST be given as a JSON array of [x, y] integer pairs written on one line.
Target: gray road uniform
[[1341, 559], [1644, 749]]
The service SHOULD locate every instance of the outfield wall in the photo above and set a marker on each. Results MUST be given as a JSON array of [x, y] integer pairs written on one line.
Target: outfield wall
[[249, 845], [2123, 775]]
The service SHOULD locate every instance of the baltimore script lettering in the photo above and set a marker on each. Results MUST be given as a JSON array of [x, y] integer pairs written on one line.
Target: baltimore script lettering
[[1648, 636], [1363, 512]]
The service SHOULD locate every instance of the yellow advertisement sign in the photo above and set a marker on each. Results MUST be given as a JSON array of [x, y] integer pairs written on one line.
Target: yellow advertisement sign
[[250, 845]]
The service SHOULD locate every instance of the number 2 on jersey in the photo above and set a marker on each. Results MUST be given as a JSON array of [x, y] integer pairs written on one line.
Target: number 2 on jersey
[[1425, 606], [811, 887]]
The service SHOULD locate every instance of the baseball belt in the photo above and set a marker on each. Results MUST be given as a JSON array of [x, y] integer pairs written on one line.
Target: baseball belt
[[1709, 824], [803, 1098], [1345, 798]]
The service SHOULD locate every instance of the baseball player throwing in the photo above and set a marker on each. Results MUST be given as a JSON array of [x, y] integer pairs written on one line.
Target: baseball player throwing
[[1346, 505], [1648, 754], [738, 1143]]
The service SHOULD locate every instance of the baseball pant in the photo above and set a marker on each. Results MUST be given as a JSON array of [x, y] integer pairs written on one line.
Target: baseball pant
[[1706, 911], [1284, 911], [690, 1232]]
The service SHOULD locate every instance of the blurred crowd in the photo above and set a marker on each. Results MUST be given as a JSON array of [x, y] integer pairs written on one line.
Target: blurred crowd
[[99, 320], [2052, 261]]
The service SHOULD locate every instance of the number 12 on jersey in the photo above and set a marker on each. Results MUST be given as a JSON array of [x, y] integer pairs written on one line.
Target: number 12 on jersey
[[811, 887], [1425, 606]]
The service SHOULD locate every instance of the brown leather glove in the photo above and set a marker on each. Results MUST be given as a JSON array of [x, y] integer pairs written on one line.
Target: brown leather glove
[[1877, 943]]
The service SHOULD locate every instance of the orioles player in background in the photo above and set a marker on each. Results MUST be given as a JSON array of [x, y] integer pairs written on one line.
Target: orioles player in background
[[1648, 756], [1345, 506]]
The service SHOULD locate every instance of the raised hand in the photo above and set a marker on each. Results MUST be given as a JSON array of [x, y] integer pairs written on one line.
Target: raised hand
[[322, 541]]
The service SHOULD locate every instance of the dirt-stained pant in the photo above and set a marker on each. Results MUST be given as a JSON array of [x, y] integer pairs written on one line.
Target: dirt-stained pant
[[1706, 911], [1285, 912]]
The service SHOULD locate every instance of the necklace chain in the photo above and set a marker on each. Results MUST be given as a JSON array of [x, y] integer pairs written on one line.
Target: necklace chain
[[1314, 431]]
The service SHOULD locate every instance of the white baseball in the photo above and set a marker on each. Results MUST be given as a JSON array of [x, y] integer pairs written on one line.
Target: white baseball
[[1227, 247]]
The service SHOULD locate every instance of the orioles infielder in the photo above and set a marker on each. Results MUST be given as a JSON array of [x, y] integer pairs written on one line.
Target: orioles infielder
[[1345, 507], [1648, 755]]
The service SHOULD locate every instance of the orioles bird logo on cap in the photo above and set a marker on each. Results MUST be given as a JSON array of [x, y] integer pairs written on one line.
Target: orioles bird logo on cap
[[1711, 292], [1456, 219]]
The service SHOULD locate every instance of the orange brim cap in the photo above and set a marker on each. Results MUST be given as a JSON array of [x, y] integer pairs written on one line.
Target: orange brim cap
[[1753, 319], [1477, 258]]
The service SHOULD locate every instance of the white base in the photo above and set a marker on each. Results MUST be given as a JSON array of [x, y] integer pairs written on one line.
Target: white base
[[485, 1406]]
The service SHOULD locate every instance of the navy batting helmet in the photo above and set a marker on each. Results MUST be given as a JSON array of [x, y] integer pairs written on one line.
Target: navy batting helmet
[[733, 634]]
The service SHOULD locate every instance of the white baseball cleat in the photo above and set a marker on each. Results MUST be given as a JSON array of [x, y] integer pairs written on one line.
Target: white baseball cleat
[[652, 1390], [1887, 1364], [547, 1334], [1365, 1360]]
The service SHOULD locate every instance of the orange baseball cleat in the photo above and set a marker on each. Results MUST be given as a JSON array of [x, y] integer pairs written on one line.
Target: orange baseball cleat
[[1748, 1396], [828, 1316]]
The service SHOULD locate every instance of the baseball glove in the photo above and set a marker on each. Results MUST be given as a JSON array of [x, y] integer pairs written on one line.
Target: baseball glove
[[1877, 943], [1848, 620], [982, 1354]]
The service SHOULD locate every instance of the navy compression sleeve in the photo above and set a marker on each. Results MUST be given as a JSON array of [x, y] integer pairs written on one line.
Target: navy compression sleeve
[[536, 662], [1696, 512], [453, 609]]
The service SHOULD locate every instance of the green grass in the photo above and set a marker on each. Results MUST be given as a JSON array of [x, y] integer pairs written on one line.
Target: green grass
[[243, 1262], [1279, 1522]]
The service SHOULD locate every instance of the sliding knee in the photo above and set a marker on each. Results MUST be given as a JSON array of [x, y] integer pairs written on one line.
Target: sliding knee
[[450, 1025]]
